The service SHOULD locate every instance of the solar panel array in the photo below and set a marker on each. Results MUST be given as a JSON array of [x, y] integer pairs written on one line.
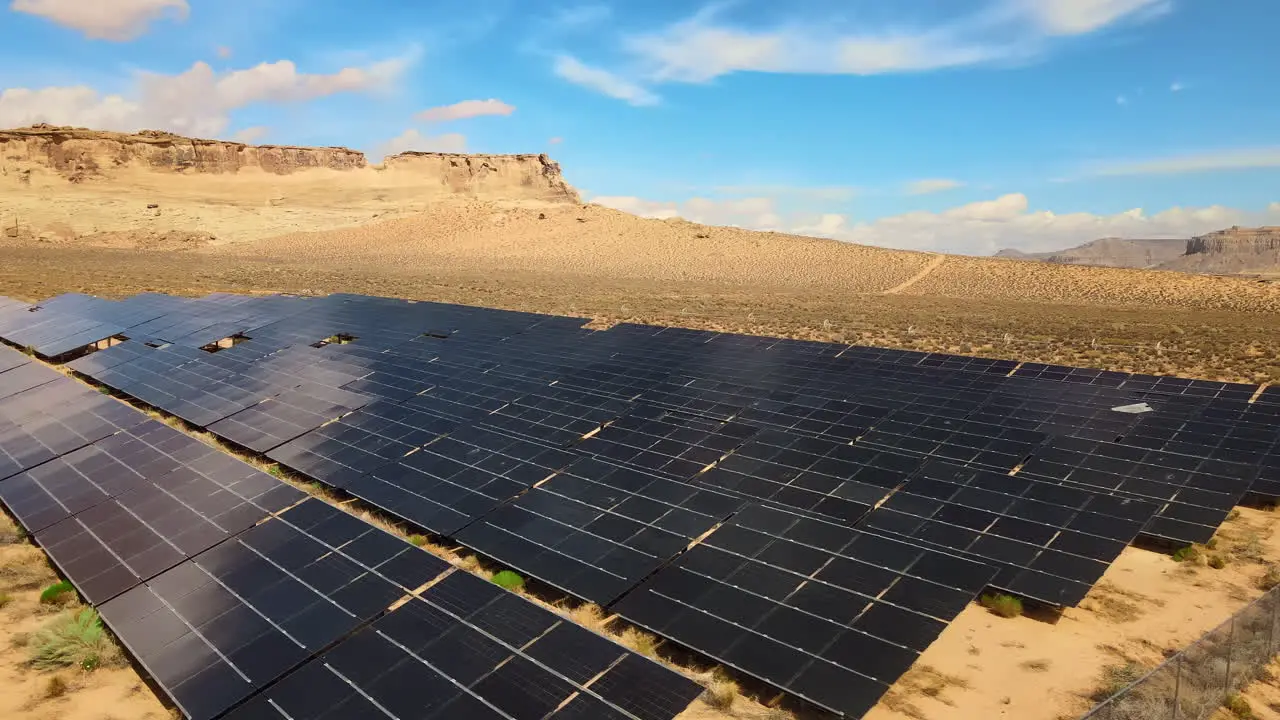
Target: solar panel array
[[812, 514], [231, 588]]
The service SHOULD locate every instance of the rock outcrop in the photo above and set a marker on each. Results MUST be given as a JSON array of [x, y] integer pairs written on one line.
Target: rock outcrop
[[536, 176], [80, 155], [1234, 250]]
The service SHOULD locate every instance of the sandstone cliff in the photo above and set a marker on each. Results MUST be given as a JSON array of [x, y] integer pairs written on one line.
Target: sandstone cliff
[[91, 156], [536, 176], [1234, 250]]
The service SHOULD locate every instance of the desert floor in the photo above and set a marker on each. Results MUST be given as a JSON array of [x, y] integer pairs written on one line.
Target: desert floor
[[602, 264]]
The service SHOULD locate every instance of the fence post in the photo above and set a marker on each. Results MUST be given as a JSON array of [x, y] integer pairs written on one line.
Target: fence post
[[1177, 686], [1231, 641]]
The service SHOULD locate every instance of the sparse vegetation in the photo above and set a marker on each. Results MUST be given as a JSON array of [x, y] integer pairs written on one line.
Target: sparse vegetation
[[508, 580], [1217, 561], [1188, 554], [5, 599], [1006, 606], [1239, 707], [418, 540], [1116, 678], [57, 593], [640, 641], [1270, 577], [74, 639], [722, 692], [1035, 665], [56, 687]]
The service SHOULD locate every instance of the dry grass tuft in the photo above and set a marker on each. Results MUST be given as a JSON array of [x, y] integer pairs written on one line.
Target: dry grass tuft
[[590, 616], [56, 687], [1035, 665], [640, 641], [23, 567], [722, 692], [74, 639]]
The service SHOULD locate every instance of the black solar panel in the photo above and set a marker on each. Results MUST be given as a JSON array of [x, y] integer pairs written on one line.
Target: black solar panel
[[670, 443], [596, 529], [820, 610]]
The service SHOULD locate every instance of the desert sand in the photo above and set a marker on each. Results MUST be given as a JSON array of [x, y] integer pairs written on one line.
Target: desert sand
[[114, 216]]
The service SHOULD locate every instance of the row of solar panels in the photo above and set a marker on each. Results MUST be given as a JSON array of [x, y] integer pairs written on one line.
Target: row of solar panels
[[243, 599], [450, 427]]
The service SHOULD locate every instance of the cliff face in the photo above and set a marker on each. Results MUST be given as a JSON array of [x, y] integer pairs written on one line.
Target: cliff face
[[533, 176], [1234, 250], [1237, 240], [81, 154], [92, 156]]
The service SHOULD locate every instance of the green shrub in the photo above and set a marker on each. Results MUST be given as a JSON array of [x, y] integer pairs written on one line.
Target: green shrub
[[1190, 553], [74, 639], [55, 593], [5, 599], [1006, 606], [1217, 562], [418, 540], [508, 580], [1239, 707]]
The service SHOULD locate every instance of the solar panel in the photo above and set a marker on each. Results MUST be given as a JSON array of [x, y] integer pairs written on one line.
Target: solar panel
[[219, 627], [675, 444], [596, 529], [458, 478], [828, 613]]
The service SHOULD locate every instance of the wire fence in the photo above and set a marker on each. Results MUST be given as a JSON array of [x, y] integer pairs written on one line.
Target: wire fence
[[1199, 680]]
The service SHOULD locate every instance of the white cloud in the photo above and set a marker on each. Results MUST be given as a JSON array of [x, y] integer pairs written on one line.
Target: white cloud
[[603, 81], [118, 20], [979, 228], [555, 141], [466, 109], [196, 102], [1177, 87], [412, 140], [703, 47], [693, 52], [932, 185], [1229, 159], [250, 135], [1077, 17]]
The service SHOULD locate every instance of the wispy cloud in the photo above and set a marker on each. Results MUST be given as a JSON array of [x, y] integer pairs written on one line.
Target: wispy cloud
[[579, 16], [828, 193], [602, 81], [413, 140], [932, 185], [1122, 100], [705, 46], [1177, 86], [1210, 161], [466, 109]]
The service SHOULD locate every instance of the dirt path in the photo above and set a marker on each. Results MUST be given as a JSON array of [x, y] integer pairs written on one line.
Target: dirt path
[[934, 264]]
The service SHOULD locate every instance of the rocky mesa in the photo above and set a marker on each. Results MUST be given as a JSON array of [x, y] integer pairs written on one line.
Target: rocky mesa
[[81, 155]]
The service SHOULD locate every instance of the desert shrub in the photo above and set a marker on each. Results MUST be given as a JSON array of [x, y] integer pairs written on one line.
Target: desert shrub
[[56, 592], [1217, 561], [56, 687], [640, 641], [1006, 606], [1116, 678], [1238, 706], [5, 599], [508, 580], [1190, 553], [418, 540], [1270, 578], [721, 692], [75, 639]]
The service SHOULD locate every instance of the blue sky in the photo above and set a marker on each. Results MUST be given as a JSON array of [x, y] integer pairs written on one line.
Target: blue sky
[[955, 125]]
